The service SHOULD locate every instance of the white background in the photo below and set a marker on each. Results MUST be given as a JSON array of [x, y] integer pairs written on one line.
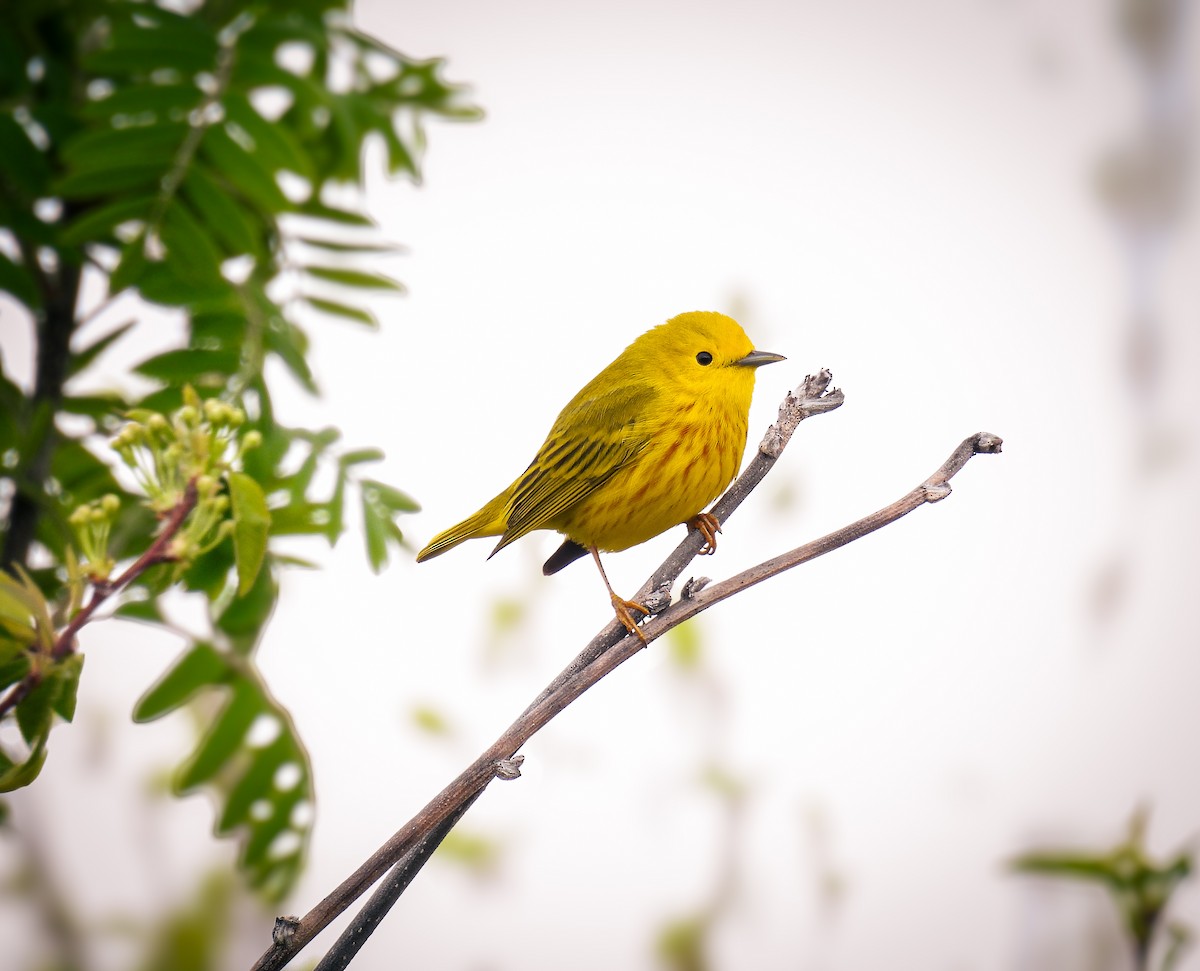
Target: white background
[[904, 193]]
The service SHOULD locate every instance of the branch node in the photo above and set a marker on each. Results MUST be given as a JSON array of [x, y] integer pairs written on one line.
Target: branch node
[[284, 930], [658, 600], [988, 444], [813, 397], [935, 491], [693, 587], [510, 768]]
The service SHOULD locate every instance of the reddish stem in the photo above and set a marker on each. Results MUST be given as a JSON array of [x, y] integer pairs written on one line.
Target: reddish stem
[[64, 644]]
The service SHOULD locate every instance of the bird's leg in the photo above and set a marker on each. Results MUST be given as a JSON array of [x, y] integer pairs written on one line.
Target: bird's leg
[[621, 606], [708, 526]]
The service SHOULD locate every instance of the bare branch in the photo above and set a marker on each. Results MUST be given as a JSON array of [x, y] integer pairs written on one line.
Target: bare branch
[[410, 847], [933, 489]]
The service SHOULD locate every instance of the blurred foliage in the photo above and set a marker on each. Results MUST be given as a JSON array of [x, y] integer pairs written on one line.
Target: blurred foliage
[[430, 720], [1140, 888], [193, 938], [194, 933], [199, 158], [683, 944], [474, 852], [685, 645]]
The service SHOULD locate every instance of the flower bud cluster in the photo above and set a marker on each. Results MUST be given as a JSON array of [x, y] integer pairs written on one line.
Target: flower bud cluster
[[92, 523], [198, 443]]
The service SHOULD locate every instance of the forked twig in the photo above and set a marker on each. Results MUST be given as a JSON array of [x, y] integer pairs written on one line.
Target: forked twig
[[410, 847]]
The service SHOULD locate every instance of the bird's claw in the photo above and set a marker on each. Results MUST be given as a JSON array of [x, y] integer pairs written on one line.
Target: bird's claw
[[622, 608], [708, 526]]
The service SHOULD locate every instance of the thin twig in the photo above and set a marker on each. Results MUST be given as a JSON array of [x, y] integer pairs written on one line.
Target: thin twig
[[813, 397], [933, 489], [604, 654], [355, 936]]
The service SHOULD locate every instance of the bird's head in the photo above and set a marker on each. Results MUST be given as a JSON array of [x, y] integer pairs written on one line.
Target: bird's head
[[704, 353]]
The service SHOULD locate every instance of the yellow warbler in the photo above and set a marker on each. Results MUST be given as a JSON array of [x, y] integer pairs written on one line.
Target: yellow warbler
[[647, 444]]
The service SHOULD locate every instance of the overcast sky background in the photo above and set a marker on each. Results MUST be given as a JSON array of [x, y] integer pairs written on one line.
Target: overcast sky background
[[904, 193]]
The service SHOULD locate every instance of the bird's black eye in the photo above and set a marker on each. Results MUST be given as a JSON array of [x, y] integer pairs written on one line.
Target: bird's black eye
[[704, 359]]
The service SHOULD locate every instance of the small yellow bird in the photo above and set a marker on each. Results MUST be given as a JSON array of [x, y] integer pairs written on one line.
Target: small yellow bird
[[648, 443]]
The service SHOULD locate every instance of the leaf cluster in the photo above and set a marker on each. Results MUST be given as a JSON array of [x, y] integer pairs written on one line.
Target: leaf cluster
[[1140, 887], [207, 159]]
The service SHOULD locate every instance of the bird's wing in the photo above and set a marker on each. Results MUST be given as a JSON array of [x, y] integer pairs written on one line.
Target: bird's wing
[[595, 436]]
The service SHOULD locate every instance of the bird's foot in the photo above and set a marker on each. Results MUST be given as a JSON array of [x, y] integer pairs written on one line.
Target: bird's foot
[[623, 609], [708, 526]]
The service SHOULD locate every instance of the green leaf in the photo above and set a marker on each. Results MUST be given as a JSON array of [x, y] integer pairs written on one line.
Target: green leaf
[[360, 456], [16, 613], [170, 284], [189, 365], [251, 523], [82, 360], [165, 101], [18, 280], [33, 713], [277, 27], [290, 344], [230, 223], [318, 209], [98, 407], [14, 661], [93, 183], [225, 736], [256, 779], [218, 329], [389, 496], [400, 159], [30, 597], [1088, 867], [67, 674], [259, 780], [209, 574], [355, 278], [25, 772], [244, 170], [190, 248], [110, 148], [299, 562], [141, 47], [131, 266], [301, 519], [357, 314], [338, 246], [145, 610], [25, 167], [376, 533], [244, 618], [201, 665], [274, 145], [337, 509]]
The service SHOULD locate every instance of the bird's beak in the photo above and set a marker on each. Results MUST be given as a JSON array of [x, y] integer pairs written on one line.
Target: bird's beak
[[759, 358]]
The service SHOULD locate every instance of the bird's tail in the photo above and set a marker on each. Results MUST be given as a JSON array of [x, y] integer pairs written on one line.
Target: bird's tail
[[489, 521]]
